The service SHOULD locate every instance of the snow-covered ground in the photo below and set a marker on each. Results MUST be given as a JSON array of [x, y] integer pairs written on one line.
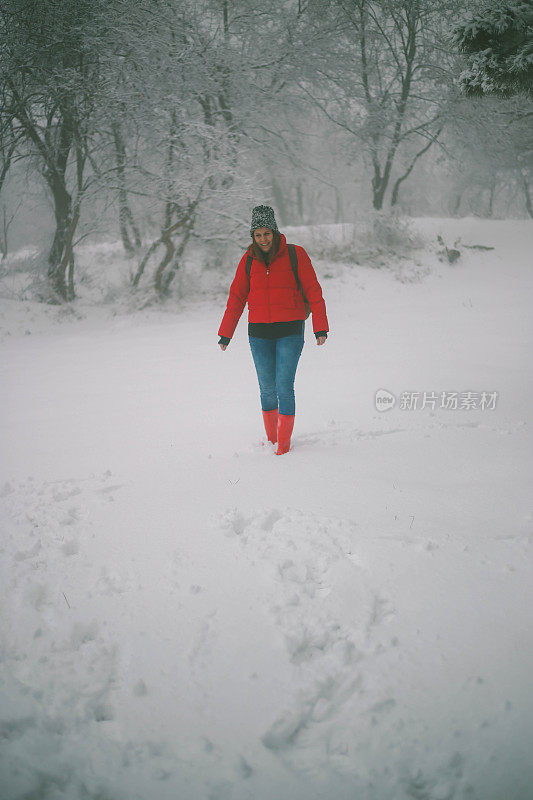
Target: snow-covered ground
[[185, 615]]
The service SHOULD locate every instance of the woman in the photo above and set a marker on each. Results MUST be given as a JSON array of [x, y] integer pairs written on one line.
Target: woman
[[266, 278]]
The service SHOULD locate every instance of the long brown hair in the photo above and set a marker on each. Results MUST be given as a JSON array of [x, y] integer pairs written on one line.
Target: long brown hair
[[256, 251]]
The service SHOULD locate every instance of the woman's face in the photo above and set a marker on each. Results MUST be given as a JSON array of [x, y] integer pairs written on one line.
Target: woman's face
[[264, 237]]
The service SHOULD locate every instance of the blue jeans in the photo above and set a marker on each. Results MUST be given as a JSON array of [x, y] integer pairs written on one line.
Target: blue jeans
[[275, 363]]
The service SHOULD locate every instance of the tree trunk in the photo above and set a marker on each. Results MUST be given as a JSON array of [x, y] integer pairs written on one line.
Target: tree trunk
[[3, 236], [402, 178], [164, 276], [280, 202], [68, 255], [6, 222], [381, 178], [57, 264], [170, 248], [140, 270], [54, 146], [55, 161], [125, 215], [379, 186], [171, 273], [70, 286], [300, 202], [492, 191], [457, 202], [527, 195], [61, 257], [6, 163], [395, 193]]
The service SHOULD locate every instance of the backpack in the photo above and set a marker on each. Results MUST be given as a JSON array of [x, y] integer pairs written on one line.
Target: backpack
[[294, 264]]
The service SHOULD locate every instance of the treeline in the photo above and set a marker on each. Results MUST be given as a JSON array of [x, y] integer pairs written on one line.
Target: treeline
[[171, 116]]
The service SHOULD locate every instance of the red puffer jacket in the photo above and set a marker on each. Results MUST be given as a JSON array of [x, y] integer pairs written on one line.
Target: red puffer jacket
[[272, 293]]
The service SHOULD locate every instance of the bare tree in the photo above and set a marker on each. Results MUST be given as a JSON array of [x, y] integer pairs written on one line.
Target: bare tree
[[490, 143], [8, 145], [129, 230], [390, 94], [186, 167], [496, 42], [50, 70]]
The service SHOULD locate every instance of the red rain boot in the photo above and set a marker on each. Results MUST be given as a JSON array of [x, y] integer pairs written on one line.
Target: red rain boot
[[270, 418], [285, 426]]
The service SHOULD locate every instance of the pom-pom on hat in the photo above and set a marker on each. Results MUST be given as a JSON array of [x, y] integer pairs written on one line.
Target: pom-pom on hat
[[263, 217]]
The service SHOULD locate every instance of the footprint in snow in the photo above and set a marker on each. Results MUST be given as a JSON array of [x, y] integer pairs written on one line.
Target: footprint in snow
[[60, 496], [327, 609], [337, 434]]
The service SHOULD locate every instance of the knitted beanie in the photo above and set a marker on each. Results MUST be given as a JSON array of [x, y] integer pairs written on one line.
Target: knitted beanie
[[263, 217]]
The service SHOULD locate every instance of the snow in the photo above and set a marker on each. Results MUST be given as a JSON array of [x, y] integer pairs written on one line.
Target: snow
[[184, 614]]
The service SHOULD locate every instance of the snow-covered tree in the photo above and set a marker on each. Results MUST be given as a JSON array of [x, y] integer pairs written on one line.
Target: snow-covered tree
[[497, 41], [384, 81], [185, 127], [129, 99], [490, 156], [50, 69]]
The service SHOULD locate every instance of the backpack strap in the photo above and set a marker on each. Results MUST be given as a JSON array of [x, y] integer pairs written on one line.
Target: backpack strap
[[248, 265], [294, 264]]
